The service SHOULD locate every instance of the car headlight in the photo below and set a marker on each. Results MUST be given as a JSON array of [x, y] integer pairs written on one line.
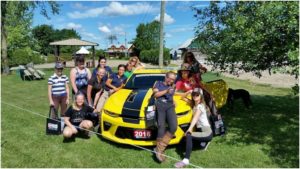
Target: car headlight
[[182, 113], [112, 114]]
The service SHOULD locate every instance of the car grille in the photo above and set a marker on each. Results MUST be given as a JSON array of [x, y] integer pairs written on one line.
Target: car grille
[[127, 133]]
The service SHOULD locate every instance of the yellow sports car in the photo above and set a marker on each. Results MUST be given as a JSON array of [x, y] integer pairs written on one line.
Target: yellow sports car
[[123, 118]]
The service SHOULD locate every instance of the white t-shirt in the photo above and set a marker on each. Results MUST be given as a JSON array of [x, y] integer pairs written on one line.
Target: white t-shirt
[[202, 121]]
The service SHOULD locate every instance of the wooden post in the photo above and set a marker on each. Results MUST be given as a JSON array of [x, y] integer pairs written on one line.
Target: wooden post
[[56, 52], [93, 47]]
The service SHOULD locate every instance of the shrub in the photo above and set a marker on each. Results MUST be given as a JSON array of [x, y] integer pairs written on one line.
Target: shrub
[[23, 56], [152, 56]]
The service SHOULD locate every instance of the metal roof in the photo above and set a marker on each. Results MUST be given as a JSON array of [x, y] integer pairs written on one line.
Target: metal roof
[[74, 42]]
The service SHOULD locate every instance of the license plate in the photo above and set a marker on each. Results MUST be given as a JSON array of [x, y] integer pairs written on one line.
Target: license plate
[[142, 134]]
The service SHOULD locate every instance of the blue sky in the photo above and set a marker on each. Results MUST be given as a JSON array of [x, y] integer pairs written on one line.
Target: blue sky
[[95, 20]]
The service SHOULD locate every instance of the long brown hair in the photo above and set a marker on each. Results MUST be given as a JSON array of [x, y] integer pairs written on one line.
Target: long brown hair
[[189, 55], [199, 92]]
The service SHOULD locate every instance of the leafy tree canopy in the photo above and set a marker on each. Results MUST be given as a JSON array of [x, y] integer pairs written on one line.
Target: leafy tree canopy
[[45, 34], [147, 36], [252, 36], [16, 18]]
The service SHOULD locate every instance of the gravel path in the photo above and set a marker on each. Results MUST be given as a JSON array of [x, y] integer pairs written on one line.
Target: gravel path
[[275, 80]]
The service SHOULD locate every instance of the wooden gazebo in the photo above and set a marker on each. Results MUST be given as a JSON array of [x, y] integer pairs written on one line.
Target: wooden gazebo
[[73, 42]]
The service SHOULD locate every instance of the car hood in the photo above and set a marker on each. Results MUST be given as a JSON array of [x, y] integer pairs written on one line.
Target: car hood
[[133, 103]]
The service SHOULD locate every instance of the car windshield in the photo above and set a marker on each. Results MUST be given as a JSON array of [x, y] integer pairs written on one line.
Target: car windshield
[[143, 81]]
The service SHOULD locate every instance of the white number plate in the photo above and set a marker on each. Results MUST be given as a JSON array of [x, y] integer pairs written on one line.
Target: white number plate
[[142, 134]]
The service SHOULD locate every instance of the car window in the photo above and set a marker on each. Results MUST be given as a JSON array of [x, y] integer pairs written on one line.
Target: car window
[[142, 81]]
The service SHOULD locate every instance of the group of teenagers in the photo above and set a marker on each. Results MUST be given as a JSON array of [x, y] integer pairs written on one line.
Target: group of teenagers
[[91, 90]]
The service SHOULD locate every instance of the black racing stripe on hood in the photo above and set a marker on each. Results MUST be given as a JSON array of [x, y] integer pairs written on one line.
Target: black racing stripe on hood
[[132, 106]]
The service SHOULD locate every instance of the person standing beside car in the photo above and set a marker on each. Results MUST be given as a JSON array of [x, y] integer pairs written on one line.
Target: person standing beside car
[[164, 91], [114, 83], [58, 89], [79, 77]]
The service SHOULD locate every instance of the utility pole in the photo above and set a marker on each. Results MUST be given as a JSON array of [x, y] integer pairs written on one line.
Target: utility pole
[[161, 35], [126, 49]]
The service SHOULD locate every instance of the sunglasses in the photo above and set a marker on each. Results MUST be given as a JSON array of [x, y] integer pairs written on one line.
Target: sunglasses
[[195, 94]]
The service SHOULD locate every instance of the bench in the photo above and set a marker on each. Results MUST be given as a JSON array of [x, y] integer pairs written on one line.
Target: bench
[[34, 73], [27, 74], [41, 73]]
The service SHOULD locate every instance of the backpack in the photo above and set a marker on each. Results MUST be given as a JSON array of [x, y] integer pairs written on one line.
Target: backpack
[[217, 125]]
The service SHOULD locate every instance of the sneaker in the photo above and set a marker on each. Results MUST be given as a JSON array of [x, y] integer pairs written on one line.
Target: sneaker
[[180, 164]]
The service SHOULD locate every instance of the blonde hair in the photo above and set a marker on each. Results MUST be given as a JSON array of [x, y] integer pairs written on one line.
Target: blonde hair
[[137, 60], [74, 105]]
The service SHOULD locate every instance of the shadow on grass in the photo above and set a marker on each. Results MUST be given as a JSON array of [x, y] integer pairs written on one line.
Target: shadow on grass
[[272, 121]]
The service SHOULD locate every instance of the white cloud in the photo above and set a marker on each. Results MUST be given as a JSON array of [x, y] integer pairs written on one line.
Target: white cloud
[[90, 35], [91, 13], [119, 30], [201, 5], [167, 19], [73, 25], [168, 35], [182, 29], [115, 9], [104, 29], [116, 30], [78, 5]]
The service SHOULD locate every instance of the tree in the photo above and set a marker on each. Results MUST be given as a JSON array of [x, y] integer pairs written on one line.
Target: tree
[[252, 36], [44, 34], [147, 36], [66, 34], [23, 11]]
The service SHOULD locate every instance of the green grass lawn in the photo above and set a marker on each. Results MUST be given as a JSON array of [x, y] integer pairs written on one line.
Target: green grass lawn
[[264, 136]]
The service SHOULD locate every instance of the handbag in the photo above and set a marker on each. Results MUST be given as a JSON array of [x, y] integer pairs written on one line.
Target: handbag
[[218, 126], [53, 123], [151, 114]]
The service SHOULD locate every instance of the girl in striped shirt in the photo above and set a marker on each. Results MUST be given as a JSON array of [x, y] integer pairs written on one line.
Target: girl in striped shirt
[[58, 89]]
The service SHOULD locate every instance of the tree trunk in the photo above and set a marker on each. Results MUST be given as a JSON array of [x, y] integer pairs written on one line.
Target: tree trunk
[[3, 40]]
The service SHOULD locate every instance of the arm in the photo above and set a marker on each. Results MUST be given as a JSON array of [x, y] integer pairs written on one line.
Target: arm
[[50, 94], [183, 95], [89, 73], [158, 93], [89, 96], [72, 78], [68, 91], [194, 121], [140, 66], [69, 124], [202, 68], [67, 119], [97, 97], [108, 83]]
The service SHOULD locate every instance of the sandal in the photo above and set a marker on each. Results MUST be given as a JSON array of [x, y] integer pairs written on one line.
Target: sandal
[[180, 164]]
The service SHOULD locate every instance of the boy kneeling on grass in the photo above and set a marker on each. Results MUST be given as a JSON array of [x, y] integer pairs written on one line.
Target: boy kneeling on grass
[[79, 117]]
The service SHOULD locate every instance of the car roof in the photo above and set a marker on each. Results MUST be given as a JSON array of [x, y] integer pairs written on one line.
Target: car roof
[[152, 71]]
